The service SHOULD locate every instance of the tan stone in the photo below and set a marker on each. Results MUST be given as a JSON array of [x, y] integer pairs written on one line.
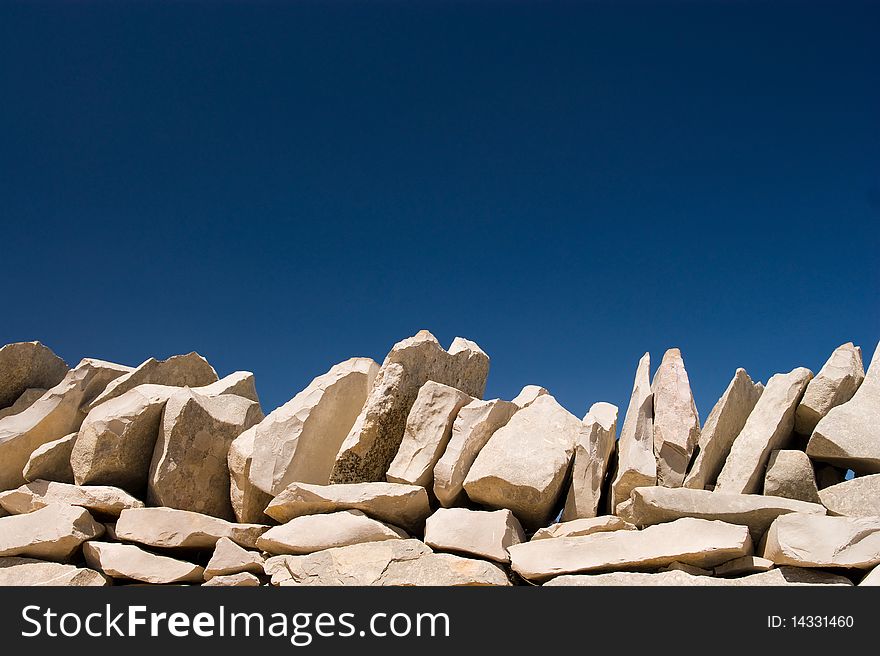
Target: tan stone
[[484, 534], [586, 526], [724, 423], [388, 563], [97, 499], [51, 533], [229, 558], [394, 503], [636, 464], [427, 432], [169, 528], [378, 430], [624, 510], [240, 580], [836, 383], [527, 395], [871, 578], [790, 474], [698, 542], [31, 572], [475, 424], [592, 454], [298, 442], [768, 428], [51, 461], [310, 533], [744, 565], [248, 501], [683, 567], [772, 578], [858, 497], [676, 422], [821, 541], [238, 383], [26, 365], [126, 561], [23, 402]]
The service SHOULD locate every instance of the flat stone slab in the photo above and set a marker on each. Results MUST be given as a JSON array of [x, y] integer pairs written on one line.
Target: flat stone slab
[[857, 497], [310, 533], [821, 541], [51, 533], [775, 577], [744, 565], [126, 561], [31, 572], [480, 533], [99, 499], [169, 528], [585, 526]]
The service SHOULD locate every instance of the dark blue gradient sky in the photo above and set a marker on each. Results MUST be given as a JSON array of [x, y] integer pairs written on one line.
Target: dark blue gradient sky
[[281, 187]]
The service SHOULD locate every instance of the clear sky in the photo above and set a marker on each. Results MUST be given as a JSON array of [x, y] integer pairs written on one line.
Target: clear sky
[[282, 187]]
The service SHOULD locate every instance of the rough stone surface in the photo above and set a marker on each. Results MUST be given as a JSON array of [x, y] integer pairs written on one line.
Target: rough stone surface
[[99, 500], [836, 382], [822, 541], [592, 455], [51, 461], [298, 442], [395, 503], [790, 474], [240, 580], [25, 365], [484, 534], [31, 572], [524, 464], [683, 567], [428, 430], [229, 558], [23, 402], [475, 424], [378, 430], [858, 497], [126, 561], [248, 501], [51, 533], [168, 528], [587, 526], [310, 533], [768, 428], [724, 423], [744, 565], [676, 422], [239, 383], [775, 577], [527, 395]]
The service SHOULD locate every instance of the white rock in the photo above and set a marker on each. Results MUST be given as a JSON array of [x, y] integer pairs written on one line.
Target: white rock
[[240, 580], [229, 558], [248, 501], [790, 474], [592, 455], [31, 572], [25, 365], [100, 500], [744, 565], [527, 396], [836, 383], [51, 533], [126, 561], [484, 534], [858, 497], [773, 578], [310, 533], [168, 528], [821, 541], [586, 526], [676, 422], [51, 461], [23, 402]]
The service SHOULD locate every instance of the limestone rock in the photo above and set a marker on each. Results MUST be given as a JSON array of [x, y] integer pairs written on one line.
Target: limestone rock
[[389, 563], [744, 565], [229, 558], [55, 414], [849, 435], [636, 464], [524, 464], [240, 580], [688, 569], [586, 526], [97, 499], [126, 561], [394, 503], [51, 533], [676, 422], [836, 382], [298, 442], [26, 365], [592, 454], [790, 475], [698, 542], [428, 430], [238, 383], [477, 533], [31, 572], [624, 510], [724, 423], [51, 461], [168, 528], [23, 402], [378, 430], [527, 395], [858, 497], [822, 541], [248, 501], [769, 427], [310, 533], [871, 578], [475, 424], [774, 577]]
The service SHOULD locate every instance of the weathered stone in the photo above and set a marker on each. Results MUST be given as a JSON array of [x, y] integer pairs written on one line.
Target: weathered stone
[[871, 578], [248, 501], [858, 497], [189, 465], [698, 542], [26, 365], [57, 413], [836, 382], [586, 526], [676, 422], [51, 461], [688, 569], [849, 435], [298, 442], [790, 474], [744, 565], [229, 558], [475, 424], [240, 580], [238, 383], [592, 454], [624, 510], [821, 541], [636, 464], [190, 370], [31, 572], [524, 464], [310, 533], [23, 402], [655, 505], [126, 561], [96, 499], [428, 430], [51, 533], [388, 563], [395, 503], [527, 395], [474, 532], [775, 577], [768, 428], [169, 528], [378, 430], [725, 422]]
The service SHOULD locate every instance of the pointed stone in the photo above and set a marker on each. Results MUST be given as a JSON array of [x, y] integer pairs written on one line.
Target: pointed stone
[[835, 384], [28, 572], [591, 457], [26, 365], [310, 533], [23, 402], [636, 464], [298, 442], [858, 497], [57, 413], [821, 541], [375, 437], [51, 461], [744, 565], [248, 501], [527, 396], [587, 526], [428, 430], [229, 558], [126, 561], [849, 435], [99, 500], [524, 464], [676, 422], [51, 533], [724, 423], [168, 528], [475, 424], [688, 569], [484, 534], [240, 580], [775, 577], [768, 428], [790, 475]]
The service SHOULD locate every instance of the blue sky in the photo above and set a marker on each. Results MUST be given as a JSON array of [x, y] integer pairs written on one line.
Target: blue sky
[[283, 187]]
